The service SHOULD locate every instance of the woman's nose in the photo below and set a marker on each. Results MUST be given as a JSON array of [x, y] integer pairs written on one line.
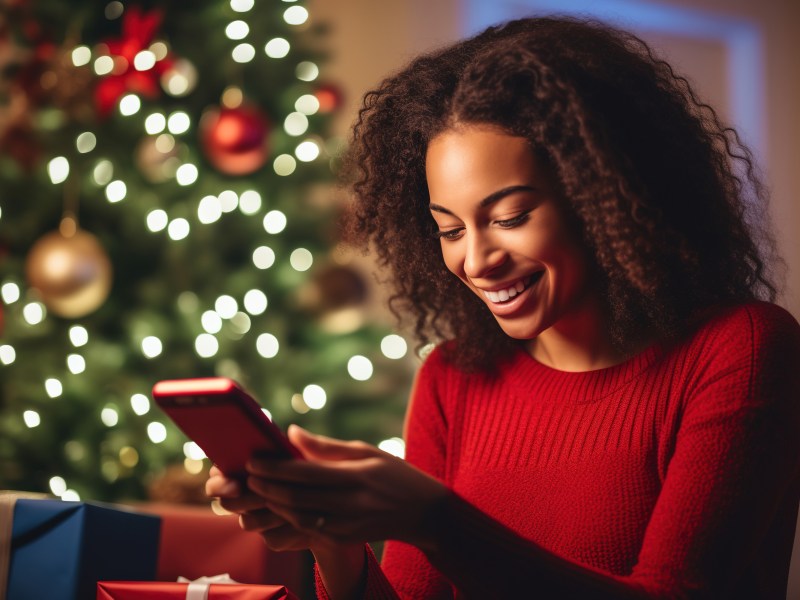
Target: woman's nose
[[483, 256]]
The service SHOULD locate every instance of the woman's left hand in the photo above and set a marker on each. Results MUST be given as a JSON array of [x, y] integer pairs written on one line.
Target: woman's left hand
[[347, 492]]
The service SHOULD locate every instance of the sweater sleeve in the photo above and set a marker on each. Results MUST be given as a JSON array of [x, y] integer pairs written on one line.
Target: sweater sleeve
[[405, 572], [733, 469]]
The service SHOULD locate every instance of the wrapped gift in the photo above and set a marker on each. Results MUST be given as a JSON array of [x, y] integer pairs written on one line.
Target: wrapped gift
[[57, 549], [201, 589]]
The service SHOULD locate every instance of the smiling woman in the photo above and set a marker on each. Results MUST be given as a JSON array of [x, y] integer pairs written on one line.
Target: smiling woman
[[611, 410]]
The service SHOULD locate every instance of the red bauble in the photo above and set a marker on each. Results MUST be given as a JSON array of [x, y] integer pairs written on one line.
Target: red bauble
[[234, 140], [330, 97]]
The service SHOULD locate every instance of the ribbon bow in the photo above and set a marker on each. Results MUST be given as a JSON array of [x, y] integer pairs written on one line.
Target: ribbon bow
[[198, 589]]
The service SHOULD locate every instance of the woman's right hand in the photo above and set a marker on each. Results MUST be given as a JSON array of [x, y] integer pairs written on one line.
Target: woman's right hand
[[254, 514]]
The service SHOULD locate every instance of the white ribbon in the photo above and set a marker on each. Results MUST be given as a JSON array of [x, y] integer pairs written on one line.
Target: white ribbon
[[198, 589]]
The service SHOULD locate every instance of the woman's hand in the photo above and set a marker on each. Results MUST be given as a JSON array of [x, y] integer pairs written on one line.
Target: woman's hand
[[344, 493], [254, 514]]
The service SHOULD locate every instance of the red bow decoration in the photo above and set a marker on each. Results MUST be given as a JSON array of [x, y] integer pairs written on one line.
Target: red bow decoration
[[138, 30]]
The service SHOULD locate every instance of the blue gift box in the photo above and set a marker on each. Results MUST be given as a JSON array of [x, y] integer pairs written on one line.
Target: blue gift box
[[62, 549]]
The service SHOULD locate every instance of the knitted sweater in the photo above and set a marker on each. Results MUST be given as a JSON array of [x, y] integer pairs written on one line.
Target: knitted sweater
[[675, 474]]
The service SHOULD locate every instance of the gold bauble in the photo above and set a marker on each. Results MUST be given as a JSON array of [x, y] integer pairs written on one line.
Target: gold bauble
[[71, 272]]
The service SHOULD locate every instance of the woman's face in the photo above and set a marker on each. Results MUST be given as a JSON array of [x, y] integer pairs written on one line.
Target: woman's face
[[503, 231]]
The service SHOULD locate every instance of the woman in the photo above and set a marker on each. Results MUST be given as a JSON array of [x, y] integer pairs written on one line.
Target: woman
[[615, 411]]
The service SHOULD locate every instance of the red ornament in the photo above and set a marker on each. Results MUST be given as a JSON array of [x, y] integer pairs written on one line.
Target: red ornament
[[234, 140], [138, 31], [330, 97]]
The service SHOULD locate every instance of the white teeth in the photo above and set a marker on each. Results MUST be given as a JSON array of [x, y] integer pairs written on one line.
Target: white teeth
[[507, 294]]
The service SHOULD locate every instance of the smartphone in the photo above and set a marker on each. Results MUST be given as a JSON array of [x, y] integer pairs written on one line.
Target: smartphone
[[221, 418]]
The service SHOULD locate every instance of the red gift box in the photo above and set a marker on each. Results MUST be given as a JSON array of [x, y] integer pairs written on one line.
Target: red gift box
[[155, 590]]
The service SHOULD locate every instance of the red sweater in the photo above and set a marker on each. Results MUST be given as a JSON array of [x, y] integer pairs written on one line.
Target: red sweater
[[675, 474]]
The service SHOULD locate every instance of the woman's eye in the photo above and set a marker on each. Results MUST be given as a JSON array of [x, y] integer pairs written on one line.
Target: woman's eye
[[450, 234], [514, 221]]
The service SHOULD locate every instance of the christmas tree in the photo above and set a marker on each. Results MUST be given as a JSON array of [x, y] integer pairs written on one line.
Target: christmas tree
[[166, 212]]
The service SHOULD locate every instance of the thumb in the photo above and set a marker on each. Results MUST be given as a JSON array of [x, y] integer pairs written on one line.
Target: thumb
[[320, 447]]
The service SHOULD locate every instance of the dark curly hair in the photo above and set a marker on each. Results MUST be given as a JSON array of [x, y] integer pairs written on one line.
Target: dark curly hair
[[666, 197]]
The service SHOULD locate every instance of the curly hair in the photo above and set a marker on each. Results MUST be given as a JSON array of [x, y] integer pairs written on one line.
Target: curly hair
[[666, 197]]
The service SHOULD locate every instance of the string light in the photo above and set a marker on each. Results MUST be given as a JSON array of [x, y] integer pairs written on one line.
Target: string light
[[186, 174], [250, 202], [34, 313], [277, 48], [295, 123], [178, 122], [267, 345], [307, 151], [7, 354], [295, 15], [140, 404], [165, 143], [157, 220], [237, 30], [103, 65], [243, 53], [274, 222], [129, 105], [151, 346], [76, 364], [306, 71], [206, 345], [85, 142], [263, 257], [81, 56], [209, 210], [301, 259], [53, 387], [155, 123], [314, 396], [393, 346], [359, 367], [114, 10], [78, 335], [226, 306], [58, 169], [229, 201], [57, 485], [284, 164], [211, 322], [160, 50], [178, 229], [10, 292], [70, 496], [144, 60], [308, 104], [156, 432], [128, 457], [242, 5], [298, 404], [240, 323], [31, 418], [103, 172], [193, 451], [116, 191], [266, 412], [255, 302], [394, 446], [109, 416]]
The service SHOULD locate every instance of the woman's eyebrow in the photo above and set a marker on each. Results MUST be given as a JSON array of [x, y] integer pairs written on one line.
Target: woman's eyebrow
[[491, 198]]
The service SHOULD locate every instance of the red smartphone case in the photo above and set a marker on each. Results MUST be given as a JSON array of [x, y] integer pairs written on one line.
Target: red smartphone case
[[223, 420]]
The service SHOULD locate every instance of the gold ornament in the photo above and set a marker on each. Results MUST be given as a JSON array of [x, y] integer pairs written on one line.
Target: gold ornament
[[71, 271]]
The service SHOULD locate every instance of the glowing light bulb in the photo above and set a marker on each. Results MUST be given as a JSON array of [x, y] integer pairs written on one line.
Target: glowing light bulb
[[103, 65], [394, 346], [178, 122], [314, 396], [157, 220], [295, 123], [394, 446], [237, 30], [85, 142], [277, 48], [156, 432], [76, 364], [178, 229], [263, 257], [109, 416], [78, 336], [226, 306], [151, 346], [250, 202], [243, 53], [70, 496], [284, 164], [7, 354], [116, 191], [209, 210], [129, 105], [301, 259], [9, 292], [267, 345], [186, 174], [359, 367], [255, 302], [295, 15], [31, 418], [58, 169], [155, 123], [81, 56], [144, 60], [306, 71], [33, 313], [206, 345], [103, 172], [307, 151], [53, 387], [274, 221], [57, 485], [211, 322], [228, 200], [192, 450], [242, 5], [140, 404], [308, 104]]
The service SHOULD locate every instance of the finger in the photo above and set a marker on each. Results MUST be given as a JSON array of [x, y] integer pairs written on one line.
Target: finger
[[214, 470], [285, 538], [313, 473], [260, 520], [320, 447], [223, 487], [344, 501], [244, 503], [303, 521]]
